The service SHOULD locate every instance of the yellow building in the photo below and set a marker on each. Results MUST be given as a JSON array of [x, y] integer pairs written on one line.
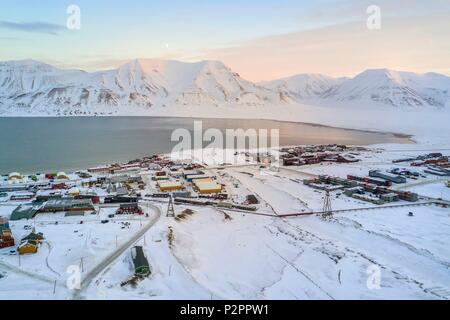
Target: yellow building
[[208, 187], [74, 192], [62, 176], [170, 185], [28, 246], [15, 177]]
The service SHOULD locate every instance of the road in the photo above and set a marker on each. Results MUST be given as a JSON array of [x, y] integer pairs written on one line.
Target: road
[[118, 252], [420, 183]]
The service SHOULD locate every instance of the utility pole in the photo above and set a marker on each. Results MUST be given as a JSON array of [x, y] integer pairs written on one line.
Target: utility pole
[[327, 210], [170, 209], [81, 264]]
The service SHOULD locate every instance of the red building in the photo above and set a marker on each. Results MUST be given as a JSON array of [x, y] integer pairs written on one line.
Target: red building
[[6, 239]]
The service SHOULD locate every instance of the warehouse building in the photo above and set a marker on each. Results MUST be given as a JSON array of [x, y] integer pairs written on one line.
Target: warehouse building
[[367, 198], [387, 176], [207, 186], [170, 185], [14, 188], [389, 197], [191, 178], [65, 205], [25, 211]]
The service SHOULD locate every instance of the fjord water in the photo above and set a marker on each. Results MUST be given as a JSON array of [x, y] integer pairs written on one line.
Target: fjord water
[[31, 145]]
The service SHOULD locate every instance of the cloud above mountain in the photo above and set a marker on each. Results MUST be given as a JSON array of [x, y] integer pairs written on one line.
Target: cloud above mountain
[[34, 27]]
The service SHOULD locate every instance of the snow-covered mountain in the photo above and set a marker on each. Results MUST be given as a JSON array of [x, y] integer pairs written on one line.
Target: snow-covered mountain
[[304, 86], [382, 86], [32, 85], [394, 88]]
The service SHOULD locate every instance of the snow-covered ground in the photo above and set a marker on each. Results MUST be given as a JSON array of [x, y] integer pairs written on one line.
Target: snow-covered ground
[[252, 257], [80, 242], [216, 254]]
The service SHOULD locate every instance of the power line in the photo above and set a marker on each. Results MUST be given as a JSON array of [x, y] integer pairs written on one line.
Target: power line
[[170, 209], [327, 210], [418, 150]]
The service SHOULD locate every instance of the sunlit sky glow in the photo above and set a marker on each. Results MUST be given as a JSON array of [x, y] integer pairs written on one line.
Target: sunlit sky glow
[[260, 39]]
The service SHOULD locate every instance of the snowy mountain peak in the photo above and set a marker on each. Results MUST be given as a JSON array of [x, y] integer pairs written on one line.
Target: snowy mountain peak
[[394, 88], [304, 86], [35, 86]]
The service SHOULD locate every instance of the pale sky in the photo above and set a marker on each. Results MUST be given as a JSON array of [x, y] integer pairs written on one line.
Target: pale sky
[[259, 39]]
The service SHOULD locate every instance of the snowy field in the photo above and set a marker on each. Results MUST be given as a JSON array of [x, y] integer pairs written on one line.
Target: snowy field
[[83, 242], [244, 256], [216, 254]]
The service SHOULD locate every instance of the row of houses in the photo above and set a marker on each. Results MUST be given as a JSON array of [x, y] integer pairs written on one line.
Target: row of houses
[[28, 244]]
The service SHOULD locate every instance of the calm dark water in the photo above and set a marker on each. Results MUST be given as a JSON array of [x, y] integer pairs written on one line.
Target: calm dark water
[[31, 145]]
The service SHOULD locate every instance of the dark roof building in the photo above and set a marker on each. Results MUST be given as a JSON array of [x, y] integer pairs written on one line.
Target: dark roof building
[[64, 205], [141, 265], [25, 211], [34, 236]]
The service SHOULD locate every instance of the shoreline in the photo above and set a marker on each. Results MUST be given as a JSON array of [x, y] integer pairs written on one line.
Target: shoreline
[[314, 124]]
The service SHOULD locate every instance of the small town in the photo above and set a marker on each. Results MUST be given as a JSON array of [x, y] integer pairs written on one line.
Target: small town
[[110, 208]]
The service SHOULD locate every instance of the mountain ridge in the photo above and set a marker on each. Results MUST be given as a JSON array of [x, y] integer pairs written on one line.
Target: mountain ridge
[[35, 86]]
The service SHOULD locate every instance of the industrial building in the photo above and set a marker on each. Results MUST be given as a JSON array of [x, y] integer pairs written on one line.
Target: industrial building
[[389, 197], [22, 196], [181, 194], [207, 186], [170, 185], [355, 190], [187, 173], [387, 176], [376, 181], [64, 205], [25, 211], [191, 178], [14, 188], [367, 198], [120, 199]]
